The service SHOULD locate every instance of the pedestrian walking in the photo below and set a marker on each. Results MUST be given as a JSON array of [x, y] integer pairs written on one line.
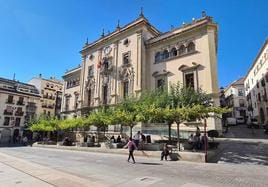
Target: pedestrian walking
[[137, 138], [165, 152], [131, 147]]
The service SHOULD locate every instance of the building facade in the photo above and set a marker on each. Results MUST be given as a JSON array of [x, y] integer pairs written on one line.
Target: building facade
[[235, 98], [18, 105], [51, 95], [256, 86], [138, 57], [71, 103]]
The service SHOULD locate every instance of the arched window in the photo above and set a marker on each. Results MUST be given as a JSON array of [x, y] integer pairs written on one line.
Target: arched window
[[173, 52], [182, 49], [106, 64], [165, 54], [157, 57], [191, 47]]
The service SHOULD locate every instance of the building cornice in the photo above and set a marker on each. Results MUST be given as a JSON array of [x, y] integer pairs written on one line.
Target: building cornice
[[256, 59], [206, 21], [140, 21]]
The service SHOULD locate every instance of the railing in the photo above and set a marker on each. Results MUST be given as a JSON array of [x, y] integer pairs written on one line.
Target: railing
[[45, 96], [20, 103], [7, 113], [50, 106], [10, 101], [17, 113], [44, 106]]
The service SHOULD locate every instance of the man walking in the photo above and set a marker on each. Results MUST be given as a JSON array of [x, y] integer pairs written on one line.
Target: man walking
[[137, 137], [131, 147]]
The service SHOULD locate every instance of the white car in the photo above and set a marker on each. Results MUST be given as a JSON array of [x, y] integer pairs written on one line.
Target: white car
[[240, 120], [231, 121]]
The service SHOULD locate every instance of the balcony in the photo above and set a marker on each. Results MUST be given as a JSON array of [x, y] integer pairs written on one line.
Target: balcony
[[19, 113], [9, 101], [51, 97], [20, 103], [264, 98], [7, 112], [45, 96], [17, 124], [44, 106], [50, 106]]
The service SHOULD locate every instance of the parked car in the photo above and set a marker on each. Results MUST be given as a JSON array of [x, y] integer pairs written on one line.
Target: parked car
[[240, 120], [231, 121], [253, 122]]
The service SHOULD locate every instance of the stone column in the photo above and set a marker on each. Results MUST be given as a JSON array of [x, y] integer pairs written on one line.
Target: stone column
[[137, 86]]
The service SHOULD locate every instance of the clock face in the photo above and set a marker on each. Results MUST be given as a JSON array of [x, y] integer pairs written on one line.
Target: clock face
[[107, 50]]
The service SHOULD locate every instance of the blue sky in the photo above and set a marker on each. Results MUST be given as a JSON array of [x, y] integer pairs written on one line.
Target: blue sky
[[45, 36]]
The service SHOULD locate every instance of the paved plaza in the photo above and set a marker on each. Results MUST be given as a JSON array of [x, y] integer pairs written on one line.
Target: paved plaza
[[97, 169], [241, 160]]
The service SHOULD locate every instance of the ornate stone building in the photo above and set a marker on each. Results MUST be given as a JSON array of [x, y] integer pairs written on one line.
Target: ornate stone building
[[138, 57]]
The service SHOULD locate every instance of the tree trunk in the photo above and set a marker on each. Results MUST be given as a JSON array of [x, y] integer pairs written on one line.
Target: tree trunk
[[98, 135], [131, 127], [169, 132], [178, 135], [121, 130]]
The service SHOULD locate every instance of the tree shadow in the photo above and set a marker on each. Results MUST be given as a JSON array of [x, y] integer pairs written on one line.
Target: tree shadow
[[149, 163], [249, 153]]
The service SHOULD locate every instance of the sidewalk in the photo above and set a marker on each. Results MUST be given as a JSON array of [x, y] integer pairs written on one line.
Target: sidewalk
[[18, 172], [13, 177]]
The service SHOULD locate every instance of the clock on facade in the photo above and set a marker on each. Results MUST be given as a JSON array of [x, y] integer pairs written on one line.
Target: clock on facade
[[107, 50]]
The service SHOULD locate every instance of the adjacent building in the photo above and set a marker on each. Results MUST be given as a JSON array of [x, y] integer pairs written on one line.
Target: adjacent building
[[256, 85], [51, 95], [235, 99], [18, 105], [70, 105], [138, 57]]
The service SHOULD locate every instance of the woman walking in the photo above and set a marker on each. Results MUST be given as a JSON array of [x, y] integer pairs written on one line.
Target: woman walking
[[131, 147]]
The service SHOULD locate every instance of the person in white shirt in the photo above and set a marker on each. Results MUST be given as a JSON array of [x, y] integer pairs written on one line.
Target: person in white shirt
[[136, 138]]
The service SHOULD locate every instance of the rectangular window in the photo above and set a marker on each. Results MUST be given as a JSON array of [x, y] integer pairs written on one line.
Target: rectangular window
[[76, 101], [189, 80], [20, 101], [6, 121], [10, 99], [240, 92], [8, 110], [259, 97], [105, 94], [126, 58], [125, 89], [90, 71], [241, 103], [160, 84], [67, 103], [17, 122], [89, 98]]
